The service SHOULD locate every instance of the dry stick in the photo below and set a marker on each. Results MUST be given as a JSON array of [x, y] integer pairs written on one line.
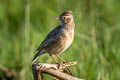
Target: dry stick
[[36, 73], [52, 69], [8, 72]]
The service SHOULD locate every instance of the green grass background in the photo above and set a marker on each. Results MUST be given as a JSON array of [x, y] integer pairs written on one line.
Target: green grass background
[[96, 46]]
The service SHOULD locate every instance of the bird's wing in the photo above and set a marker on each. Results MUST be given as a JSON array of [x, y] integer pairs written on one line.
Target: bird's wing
[[52, 38]]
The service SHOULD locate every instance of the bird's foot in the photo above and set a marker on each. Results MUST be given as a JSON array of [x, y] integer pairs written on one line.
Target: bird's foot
[[67, 63], [60, 66]]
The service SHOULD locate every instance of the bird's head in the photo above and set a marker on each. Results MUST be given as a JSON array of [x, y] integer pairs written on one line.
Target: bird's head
[[66, 17]]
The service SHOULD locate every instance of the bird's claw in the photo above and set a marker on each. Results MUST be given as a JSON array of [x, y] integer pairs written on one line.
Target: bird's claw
[[67, 63], [60, 66]]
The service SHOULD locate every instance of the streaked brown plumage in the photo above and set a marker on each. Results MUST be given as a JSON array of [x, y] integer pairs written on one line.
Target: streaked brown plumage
[[60, 38]]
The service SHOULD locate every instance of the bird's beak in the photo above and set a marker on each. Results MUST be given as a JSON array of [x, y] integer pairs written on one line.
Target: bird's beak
[[57, 18]]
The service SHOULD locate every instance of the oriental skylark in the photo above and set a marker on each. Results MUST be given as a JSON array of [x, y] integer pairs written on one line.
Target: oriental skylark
[[59, 39]]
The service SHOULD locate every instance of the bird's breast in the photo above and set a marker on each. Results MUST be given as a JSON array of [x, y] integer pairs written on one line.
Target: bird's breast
[[64, 42], [68, 40]]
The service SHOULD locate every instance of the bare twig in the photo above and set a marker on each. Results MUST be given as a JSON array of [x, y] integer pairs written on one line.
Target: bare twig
[[8, 72], [53, 70]]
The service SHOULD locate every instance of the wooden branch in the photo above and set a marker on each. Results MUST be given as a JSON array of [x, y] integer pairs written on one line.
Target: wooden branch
[[53, 70], [10, 73]]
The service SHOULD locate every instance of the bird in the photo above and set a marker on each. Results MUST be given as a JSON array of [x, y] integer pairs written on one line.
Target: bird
[[59, 39]]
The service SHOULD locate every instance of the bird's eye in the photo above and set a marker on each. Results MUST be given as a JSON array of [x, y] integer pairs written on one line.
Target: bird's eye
[[64, 18]]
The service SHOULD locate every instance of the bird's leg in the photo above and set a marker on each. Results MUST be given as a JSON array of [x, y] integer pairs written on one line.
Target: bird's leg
[[54, 59], [68, 70], [60, 58]]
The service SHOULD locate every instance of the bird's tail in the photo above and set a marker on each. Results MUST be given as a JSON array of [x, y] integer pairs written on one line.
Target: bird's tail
[[37, 55]]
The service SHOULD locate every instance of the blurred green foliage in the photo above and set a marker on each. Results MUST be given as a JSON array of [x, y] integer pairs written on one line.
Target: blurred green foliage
[[96, 46]]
